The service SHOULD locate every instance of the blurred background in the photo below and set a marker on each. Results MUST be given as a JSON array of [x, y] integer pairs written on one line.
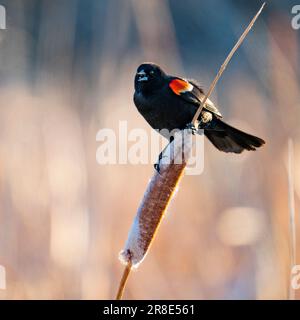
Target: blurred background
[[66, 71]]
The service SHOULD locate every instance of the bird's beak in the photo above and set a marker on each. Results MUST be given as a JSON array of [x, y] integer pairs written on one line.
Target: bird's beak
[[142, 76]]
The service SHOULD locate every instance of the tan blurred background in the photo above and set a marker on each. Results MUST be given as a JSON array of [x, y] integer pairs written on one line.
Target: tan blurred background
[[66, 71]]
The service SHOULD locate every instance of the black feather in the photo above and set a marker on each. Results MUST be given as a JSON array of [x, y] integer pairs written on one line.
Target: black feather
[[229, 139]]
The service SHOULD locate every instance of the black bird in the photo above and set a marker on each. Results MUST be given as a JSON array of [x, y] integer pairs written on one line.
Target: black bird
[[168, 102]]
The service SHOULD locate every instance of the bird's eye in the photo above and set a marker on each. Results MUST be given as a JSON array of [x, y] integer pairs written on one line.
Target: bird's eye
[[152, 72]]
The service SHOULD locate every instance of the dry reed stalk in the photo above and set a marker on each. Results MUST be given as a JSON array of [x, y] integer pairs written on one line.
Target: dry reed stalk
[[291, 199], [124, 280], [161, 187], [225, 63]]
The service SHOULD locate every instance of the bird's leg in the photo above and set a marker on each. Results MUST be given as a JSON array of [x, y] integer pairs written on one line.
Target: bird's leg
[[156, 165]]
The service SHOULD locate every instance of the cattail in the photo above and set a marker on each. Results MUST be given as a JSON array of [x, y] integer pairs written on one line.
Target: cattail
[[157, 197], [159, 192]]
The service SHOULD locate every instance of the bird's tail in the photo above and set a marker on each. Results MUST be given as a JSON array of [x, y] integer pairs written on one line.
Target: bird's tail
[[229, 139]]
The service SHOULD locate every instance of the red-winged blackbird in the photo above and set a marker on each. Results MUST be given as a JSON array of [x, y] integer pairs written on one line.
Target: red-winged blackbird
[[169, 102]]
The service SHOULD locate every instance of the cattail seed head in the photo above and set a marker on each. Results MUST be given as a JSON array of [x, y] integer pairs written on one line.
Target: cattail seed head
[[160, 191]]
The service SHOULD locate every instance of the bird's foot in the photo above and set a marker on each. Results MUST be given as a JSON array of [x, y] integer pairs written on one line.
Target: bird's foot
[[156, 165], [191, 127]]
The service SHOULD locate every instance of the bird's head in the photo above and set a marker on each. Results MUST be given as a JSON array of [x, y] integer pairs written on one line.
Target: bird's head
[[149, 76]]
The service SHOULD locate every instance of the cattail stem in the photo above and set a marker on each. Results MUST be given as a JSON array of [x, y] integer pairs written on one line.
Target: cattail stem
[[123, 281]]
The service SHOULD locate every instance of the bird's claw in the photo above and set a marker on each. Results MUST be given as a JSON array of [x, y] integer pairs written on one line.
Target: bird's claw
[[156, 167], [191, 127]]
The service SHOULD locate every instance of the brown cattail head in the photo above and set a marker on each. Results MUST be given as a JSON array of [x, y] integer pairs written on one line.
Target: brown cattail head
[[160, 191]]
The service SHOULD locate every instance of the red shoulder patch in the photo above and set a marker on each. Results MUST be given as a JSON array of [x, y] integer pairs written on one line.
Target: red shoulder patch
[[179, 86]]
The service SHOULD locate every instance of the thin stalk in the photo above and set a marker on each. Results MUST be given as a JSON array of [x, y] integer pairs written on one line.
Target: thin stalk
[[123, 281], [291, 199], [225, 63]]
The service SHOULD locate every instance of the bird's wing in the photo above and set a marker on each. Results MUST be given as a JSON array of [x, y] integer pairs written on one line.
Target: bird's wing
[[192, 93]]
